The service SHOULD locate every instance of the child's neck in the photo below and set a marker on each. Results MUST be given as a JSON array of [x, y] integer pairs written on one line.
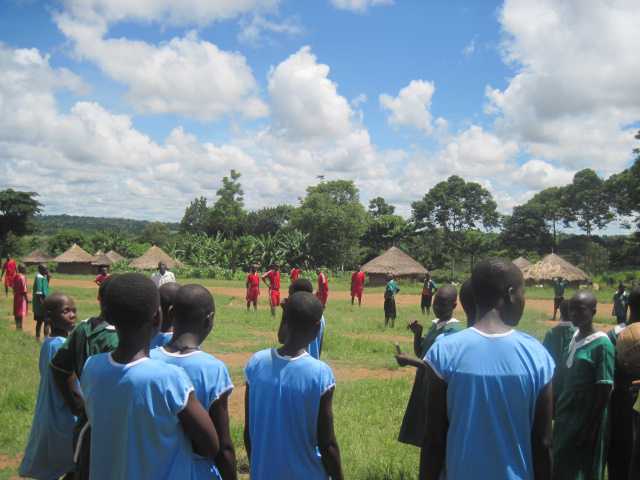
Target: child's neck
[[445, 318], [491, 322], [183, 342], [292, 350], [585, 331], [58, 332], [131, 347]]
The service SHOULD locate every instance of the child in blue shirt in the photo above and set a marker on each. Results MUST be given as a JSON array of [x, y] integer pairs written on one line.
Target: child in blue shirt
[[49, 452], [146, 421], [288, 403], [192, 319], [315, 346], [167, 292]]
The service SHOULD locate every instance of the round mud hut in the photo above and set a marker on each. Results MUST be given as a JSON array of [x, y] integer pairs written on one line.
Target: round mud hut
[[552, 266], [75, 261], [151, 258], [393, 262], [36, 258]]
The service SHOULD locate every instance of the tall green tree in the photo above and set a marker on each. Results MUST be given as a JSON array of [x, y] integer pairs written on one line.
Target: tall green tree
[[268, 220], [333, 217], [155, 233], [17, 210], [624, 190], [456, 206], [196, 217], [378, 207], [526, 231], [588, 201], [552, 204], [228, 215]]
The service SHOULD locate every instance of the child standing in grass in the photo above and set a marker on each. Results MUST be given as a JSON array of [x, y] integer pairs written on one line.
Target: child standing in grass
[[49, 452], [288, 403], [192, 318], [428, 287], [253, 288], [390, 292], [39, 294], [167, 294], [557, 341], [20, 296], [145, 419], [581, 421], [273, 277], [413, 425]]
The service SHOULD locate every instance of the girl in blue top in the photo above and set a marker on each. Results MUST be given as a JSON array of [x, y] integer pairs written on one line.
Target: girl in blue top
[[49, 452]]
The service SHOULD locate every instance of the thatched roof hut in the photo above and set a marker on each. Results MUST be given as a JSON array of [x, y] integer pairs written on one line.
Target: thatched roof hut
[[107, 259], [74, 260], [36, 258], [552, 266], [521, 263], [98, 253], [115, 256], [393, 262], [151, 258]]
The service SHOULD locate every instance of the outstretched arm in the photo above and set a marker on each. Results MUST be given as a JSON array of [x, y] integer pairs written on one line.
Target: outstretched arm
[[226, 458], [199, 428], [327, 442], [542, 433], [434, 448]]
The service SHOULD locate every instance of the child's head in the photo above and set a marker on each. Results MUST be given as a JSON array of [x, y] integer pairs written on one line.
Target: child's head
[[621, 288], [634, 305], [162, 267], [22, 269], [60, 312], [193, 311], [445, 302], [102, 270], [564, 311], [468, 302], [167, 294], [42, 269], [132, 305], [300, 285], [275, 267], [301, 318], [252, 269], [498, 284], [582, 309]]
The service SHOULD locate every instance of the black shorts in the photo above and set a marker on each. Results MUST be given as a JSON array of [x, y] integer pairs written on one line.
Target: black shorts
[[390, 308], [425, 302], [557, 301]]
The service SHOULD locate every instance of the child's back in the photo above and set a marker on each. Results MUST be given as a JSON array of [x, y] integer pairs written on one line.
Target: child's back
[[49, 453], [133, 410], [210, 379], [284, 402]]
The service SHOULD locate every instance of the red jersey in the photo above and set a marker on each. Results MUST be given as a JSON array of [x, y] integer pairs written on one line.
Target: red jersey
[[253, 280], [357, 280], [295, 274], [274, 279], [323, 283], [101, 278]]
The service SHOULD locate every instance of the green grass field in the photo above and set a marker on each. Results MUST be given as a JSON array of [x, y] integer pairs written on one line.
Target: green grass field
[[371, 391]]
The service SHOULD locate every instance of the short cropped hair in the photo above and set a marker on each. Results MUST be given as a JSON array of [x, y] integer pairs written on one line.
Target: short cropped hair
[[300, 285], [192, 303], [492, 278], [132, 299], [303, 311], [167, 294]]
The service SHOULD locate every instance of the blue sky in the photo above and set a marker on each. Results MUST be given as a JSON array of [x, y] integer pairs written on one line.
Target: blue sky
[[134, 108]]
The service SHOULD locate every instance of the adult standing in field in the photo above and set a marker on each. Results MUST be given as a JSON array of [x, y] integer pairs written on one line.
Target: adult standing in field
[[490, 387], [103, 274], [620, 299], [294, 274], [20, 297], [559, 286], [9, 269], [390, 292], [272, 280], [323, 288], [357, 286], [253, 288], [39, 294], [428, 289], [163, 275]]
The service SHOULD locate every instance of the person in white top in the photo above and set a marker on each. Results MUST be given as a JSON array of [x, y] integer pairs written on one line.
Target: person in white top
[[163, 275]]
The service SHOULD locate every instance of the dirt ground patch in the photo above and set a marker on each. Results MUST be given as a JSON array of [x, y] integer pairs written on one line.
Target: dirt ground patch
[[9, 462]]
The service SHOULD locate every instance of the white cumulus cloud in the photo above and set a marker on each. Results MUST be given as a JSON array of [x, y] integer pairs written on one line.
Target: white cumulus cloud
[[411, 108], [359, 6]]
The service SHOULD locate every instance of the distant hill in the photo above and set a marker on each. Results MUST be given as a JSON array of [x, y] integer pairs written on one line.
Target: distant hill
[[51, 224]]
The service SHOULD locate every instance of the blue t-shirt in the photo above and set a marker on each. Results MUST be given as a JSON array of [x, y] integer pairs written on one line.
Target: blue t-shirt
[[284, 401], [133, 411], [210, 379], [493, 383], [315, 347], [160, 340], [49, 452]]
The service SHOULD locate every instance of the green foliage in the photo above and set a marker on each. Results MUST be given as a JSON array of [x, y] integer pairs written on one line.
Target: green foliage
[[587, 200], [623, 190], [269, 220], [196, 216], [155, 233], [62, 240], [17, 210], [551, 203], [228, 215], [379, 207], [384, 231], [526, 231], [51, 224], [333, 217]]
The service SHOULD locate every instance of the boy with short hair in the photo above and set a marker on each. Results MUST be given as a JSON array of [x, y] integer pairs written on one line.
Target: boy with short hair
[[413, 425], [49, 452], [428, 287], [581, 418], [253, 288], [91, 336], [468, 302], [103, 274], [39, 294], [315, 347], [192, 317], [557, 341], [295, 274], [559, 286], [145, 419], [288, 403], [357, 285], [619, 309], [489, 386], [390, 292], [167, 294], [273, 277]]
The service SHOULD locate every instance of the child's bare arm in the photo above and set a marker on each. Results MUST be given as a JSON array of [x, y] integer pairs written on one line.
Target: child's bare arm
[[226, 458], [417, 330], [327, 442], [542, 433], [407, 361], [67, 385], [199, 428], [247, 438], [434, 448]]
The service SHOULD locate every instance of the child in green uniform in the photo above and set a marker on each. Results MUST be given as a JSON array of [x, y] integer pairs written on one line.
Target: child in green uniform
[[581, 422], [90, 337], [557, 341], [40, 293], [413, 426], [390, 292]]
